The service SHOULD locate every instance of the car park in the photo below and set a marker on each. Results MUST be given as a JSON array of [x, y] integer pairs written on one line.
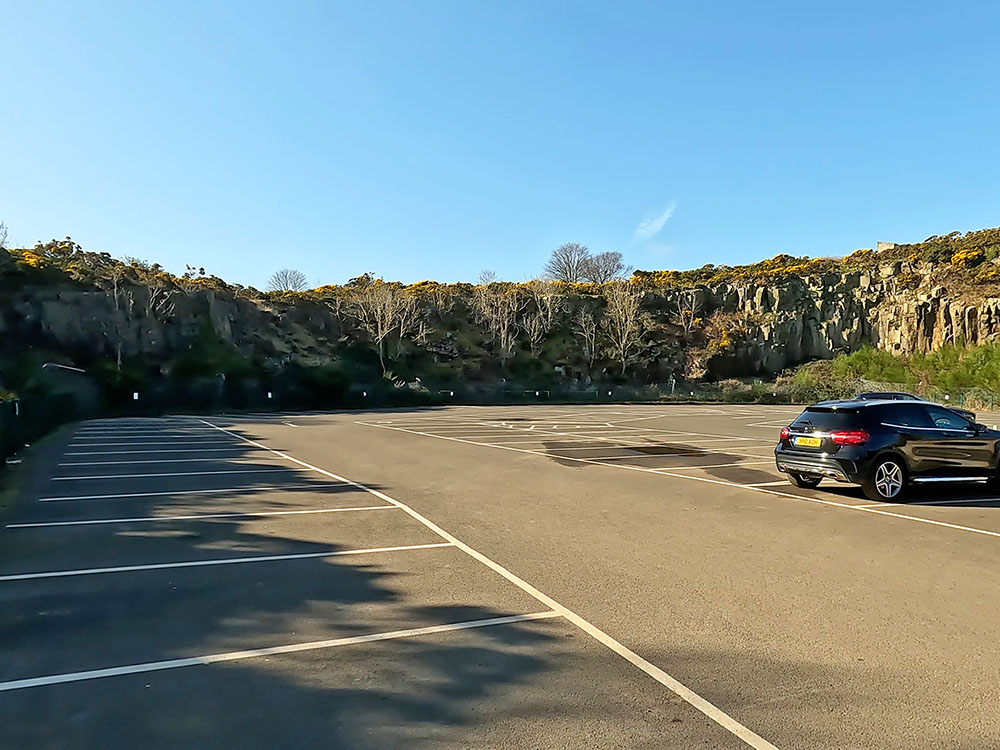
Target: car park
[[886, 445]]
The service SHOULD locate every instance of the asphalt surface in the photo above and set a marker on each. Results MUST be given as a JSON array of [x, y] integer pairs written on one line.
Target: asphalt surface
[[523, 577]]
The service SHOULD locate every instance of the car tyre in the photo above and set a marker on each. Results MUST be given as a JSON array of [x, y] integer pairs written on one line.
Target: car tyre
[[887, 480], [802, 481]]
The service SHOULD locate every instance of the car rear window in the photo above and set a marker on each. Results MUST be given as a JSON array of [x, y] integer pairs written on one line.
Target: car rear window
[[819, 418]]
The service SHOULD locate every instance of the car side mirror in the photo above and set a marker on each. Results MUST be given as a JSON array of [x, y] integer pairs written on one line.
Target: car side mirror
[[980, 428]]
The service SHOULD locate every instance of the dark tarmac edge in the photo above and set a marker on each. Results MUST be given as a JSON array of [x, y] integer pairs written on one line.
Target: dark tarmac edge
[[18, 480]]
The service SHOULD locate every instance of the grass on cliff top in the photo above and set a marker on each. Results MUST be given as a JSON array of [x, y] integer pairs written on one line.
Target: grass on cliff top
[[950, 369]]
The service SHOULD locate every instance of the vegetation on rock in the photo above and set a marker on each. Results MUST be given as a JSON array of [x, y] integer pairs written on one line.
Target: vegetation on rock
[[133, 324]]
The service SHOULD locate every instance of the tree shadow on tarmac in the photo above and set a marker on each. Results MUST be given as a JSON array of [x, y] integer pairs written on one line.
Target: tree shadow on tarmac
[[401, 692]]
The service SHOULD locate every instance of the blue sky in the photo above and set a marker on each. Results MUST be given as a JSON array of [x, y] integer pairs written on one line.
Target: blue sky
[[435, 139]]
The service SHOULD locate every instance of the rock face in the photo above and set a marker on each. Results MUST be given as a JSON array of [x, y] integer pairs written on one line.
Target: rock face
[[783, 323], [820, 317], [90, 324]]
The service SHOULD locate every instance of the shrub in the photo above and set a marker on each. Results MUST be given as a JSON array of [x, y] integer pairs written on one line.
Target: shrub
[[988, 274], [968, 258]]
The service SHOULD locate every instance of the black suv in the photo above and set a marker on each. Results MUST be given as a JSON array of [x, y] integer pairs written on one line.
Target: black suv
[[885, 445]]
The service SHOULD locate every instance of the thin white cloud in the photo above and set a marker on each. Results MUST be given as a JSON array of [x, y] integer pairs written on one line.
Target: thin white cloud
[[657, 251], [652, 225]]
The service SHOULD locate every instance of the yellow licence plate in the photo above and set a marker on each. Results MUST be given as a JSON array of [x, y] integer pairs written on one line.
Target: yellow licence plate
[[807, 442]]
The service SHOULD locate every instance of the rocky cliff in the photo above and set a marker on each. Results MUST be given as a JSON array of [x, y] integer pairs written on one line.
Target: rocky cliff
[[751, 320], [817, 317]]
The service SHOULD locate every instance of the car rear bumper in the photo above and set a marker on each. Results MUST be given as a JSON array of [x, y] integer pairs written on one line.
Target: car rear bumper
[[817, 466]]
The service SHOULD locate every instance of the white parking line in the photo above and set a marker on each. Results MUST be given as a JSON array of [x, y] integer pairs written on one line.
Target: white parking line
[[144, 443], [223, 561], [718, 466], [158, 436], [766, 484], [965, 501], [633, 457], [716, 714], [193, 661], [692, 453], [623, 441], [141, 461], [181, 493], [180, 450], [95, 434], [174, 474], [195, 517], [667, 472]]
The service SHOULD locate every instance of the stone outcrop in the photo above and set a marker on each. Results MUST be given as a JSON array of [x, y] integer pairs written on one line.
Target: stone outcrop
[[819, 317], [896, 306]]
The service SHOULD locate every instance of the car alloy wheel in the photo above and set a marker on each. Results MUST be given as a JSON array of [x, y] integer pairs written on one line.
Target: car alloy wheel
[[888, 479]]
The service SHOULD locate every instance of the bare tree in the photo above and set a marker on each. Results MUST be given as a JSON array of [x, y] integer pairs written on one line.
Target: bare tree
[[287, 280], [486, 276], [159, 302], [190, 281], [3, 236], [379, 308], [585, 329], [622, 322], [687, 307], [497, 306], [116, 275], [413, 323], [605, 267], [540, 317], [567, 263], [336, 298]]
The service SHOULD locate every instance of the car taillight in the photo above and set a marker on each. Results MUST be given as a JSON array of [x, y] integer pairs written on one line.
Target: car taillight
[[849, 437], [785, 432]]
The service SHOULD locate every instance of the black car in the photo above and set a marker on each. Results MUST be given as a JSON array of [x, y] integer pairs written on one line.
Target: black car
[[901, 396], [886, 445]]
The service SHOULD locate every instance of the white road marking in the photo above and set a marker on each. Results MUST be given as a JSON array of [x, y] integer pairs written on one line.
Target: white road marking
[[632, 457], [195, 517], [141, 461], [144, 443], [766, 484], [691, 453], [682, 691], [719, 466], [608, 442], [668, 472], [175, 450], [156, 666], [158, 434], [290, 424], [614, 441], [174, 474], [180, 493], [221, 561], [95, 434], [965, 501]]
